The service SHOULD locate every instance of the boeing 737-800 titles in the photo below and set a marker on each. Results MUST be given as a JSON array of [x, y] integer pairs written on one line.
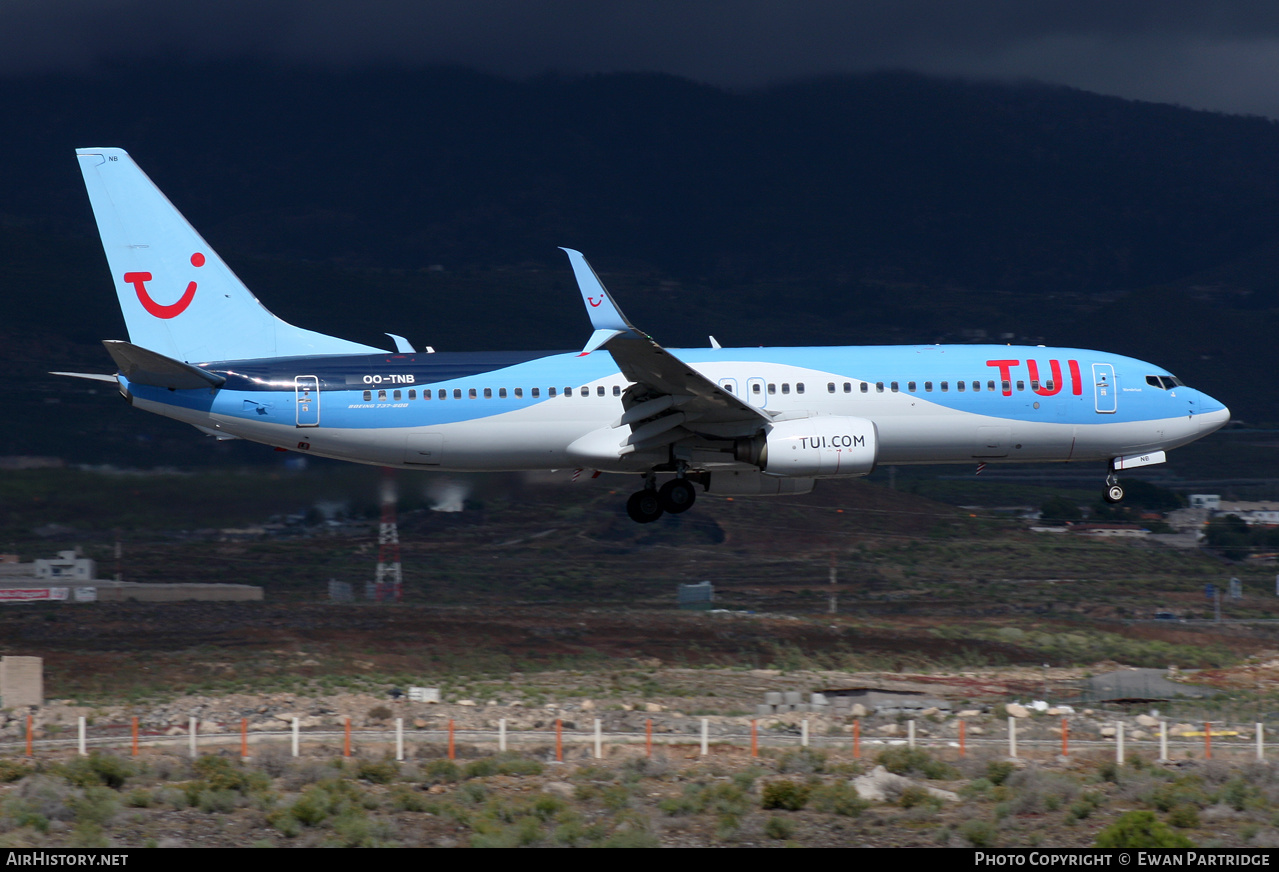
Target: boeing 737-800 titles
[[750, 421]]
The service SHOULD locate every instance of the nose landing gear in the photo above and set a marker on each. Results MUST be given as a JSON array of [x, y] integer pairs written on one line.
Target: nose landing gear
[[1114, 491]]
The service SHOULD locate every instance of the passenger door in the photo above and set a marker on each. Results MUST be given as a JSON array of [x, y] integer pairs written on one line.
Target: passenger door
[[306, 389]]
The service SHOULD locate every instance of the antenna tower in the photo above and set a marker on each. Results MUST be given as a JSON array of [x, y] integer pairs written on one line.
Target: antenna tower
[[389, 578]]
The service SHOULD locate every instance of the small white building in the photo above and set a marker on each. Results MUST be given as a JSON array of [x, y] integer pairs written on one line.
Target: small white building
[[1212, 502], [67, 566]]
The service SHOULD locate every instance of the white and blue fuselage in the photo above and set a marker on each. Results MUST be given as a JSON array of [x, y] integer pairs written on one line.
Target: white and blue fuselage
[[520, 411]]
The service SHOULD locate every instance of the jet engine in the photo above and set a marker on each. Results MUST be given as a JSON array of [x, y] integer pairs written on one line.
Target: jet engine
[[828, 446]]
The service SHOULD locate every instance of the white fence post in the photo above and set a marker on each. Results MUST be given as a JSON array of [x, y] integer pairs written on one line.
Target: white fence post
[[1261, 753], [501, 735], [191, 737], [599, 741], [1012, 737], [803, 739], [399, 739], [295, 737], [83, 752], [910, 733], [705, 737], [1119, 743], [1163, 741]]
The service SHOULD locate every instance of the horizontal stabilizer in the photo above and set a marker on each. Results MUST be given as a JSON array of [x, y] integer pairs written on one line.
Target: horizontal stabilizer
[[146, 367], [92, 376]]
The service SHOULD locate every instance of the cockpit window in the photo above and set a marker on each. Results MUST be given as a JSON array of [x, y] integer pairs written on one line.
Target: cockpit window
[[1164, 382]]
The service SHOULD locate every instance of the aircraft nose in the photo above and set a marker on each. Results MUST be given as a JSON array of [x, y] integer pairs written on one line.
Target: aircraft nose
[[1211, 421]]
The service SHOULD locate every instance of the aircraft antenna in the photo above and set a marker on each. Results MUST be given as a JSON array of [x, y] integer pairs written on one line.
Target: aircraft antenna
[[389, 578]]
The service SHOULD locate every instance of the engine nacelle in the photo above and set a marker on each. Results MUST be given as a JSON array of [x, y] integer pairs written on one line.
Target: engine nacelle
[[827, 446]]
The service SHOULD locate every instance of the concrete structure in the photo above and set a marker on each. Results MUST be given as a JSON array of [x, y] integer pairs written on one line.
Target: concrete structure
[[21, 681], [30, 590], [67, 566], [70, 578]]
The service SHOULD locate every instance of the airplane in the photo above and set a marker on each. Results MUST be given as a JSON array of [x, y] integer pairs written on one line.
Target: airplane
[[737, 421]]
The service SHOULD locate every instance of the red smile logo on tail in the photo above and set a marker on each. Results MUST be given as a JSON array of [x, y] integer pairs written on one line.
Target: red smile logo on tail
[[139, 281]]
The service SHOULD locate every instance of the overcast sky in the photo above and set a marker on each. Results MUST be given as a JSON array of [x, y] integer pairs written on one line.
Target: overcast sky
[[1221, 55]]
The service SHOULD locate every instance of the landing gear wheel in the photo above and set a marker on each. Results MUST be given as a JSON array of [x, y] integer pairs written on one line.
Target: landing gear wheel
[[677, 496], [644, 506], [1114, 494]]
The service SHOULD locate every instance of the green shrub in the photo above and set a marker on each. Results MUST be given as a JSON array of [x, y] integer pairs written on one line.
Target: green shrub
[[978, 833], [779, 828], [915, 796], [1140, 830], [840, 798], [786, 795], [998, 771], [1184, 816], [98, 769], [915, 761], [378, 772], [12, 770]]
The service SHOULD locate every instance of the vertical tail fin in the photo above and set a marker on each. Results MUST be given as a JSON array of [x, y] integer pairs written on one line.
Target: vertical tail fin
[[177, 295]]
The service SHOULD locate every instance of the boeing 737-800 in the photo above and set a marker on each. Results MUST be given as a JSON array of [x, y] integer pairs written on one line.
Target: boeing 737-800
[[749, 421]]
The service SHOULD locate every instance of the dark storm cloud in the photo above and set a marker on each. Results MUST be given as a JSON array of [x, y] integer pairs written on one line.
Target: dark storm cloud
[[1220, 55]]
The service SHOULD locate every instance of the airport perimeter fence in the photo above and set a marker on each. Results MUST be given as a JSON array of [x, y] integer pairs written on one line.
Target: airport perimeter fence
[[1213, 741]]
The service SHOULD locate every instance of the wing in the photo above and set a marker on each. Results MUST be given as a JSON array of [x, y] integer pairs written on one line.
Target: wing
[[665, 382]]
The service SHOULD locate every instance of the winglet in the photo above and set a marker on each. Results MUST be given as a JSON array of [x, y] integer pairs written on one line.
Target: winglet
[[401, 344], [606, 318]]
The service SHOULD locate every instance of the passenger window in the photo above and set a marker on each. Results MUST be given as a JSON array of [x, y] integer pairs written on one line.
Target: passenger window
[[848, 387], [1034, 384], [1007, 385], [830, 387], [599, 391], [976, 386], [471, 394], [617, 390], [381, 396], [772, 388], [457, 393], [519, 393], [755, 388], [412, 395], [536, 392], [426, 395], [488, 393], [945, 386], [785, 387], [928, 387], [865, 387], [959, 386], [893, 387], [1021, 385], [550, 392], [879, 387], [910, 386], [1048, 385], [990, 385], [368, 396], [799, 387], [728, 388], [501, 393], [568, 392], [396, 396]]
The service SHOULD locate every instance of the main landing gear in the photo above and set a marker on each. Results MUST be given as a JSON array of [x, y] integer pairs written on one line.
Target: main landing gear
[[647, 505], [1114, 491]]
